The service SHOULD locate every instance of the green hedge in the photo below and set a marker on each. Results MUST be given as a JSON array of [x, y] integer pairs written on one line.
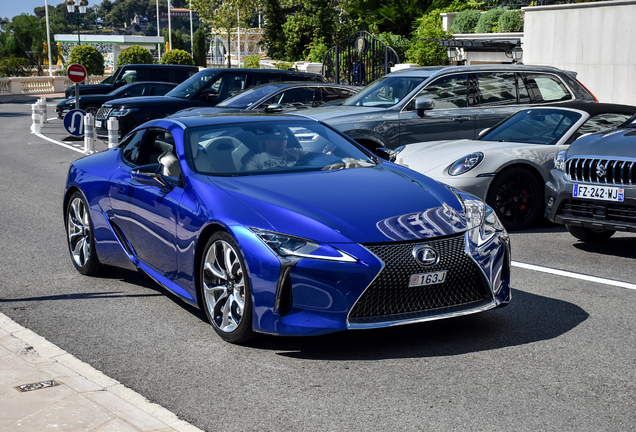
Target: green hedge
[[511, 21], [466, 21], [489, 21], [135, 55], [89, 57], [178, 57]]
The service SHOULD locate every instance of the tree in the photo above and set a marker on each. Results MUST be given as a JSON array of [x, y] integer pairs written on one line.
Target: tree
[[178, 57], [274, 37], [89, 57], [200, 58], [428, 53], [25, 39], [135, 55]]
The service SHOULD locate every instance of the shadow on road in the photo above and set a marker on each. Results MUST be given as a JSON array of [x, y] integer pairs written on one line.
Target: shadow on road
[[616, 246], [529, 318]]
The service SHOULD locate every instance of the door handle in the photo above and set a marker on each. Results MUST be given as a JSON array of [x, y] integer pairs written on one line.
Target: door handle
[[119, 188], [461, 119]]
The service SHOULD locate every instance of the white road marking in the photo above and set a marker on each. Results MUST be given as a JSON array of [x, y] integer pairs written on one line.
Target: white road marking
[[60, 143], [574, 275]]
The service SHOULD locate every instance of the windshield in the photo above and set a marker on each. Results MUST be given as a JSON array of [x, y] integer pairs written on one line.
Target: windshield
[[385, 92], [271, 147], [533, 126], [247, 98], [108, 80], [191, 86]]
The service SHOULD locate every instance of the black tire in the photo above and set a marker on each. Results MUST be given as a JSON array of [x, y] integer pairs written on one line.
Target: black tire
[[590, 234], [225, 293], [80, 236], [91, 109], [516, 195]]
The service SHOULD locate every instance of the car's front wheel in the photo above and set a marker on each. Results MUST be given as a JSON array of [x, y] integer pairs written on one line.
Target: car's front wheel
[[517, 197], [590, 234], [225, 289], [79, 233], [92, 109]]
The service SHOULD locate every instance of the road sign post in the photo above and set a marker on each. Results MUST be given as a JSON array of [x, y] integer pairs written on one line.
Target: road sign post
[[76, 73]]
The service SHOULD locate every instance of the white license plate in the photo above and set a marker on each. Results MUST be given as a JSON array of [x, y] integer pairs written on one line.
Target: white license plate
[[98, 123], [424, 279], [599, 192]]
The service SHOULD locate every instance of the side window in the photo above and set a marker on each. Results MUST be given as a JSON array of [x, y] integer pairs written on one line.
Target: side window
[[599, 123], [162, 89], [229, 84], [547, 88], [181, 75], [131, 147], [296, 98], [497, 88], [447, 92], [264, 78], [140, 90], [130, 76], [330, 94], [158, 74]]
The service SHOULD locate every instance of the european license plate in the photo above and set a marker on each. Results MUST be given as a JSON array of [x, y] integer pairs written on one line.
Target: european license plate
[[423, 279], [599, 192], [98, 123]]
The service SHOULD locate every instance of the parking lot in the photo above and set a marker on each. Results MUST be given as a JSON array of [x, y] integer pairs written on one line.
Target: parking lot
[[561, 356]]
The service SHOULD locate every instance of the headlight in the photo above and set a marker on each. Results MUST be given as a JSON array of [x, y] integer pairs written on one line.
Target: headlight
[[481, 220], [120, 112], [465, 164], [288, 246], [559, 161]]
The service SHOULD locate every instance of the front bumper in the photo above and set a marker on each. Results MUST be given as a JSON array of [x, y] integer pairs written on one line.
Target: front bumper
[[562, 208]]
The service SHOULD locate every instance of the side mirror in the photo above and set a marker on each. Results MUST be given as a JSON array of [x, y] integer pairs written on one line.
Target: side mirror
[[209, 94], [274, 108], [423, 104], [386, 153], [119, 83], [150, 175]]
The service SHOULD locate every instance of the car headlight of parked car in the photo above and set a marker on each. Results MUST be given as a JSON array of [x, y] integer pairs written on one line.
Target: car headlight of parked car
[[559, 160], [294, 247], [465, 164], [481, 220], [120, 112]]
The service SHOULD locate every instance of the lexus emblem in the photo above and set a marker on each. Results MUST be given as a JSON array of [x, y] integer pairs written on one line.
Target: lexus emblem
[[425, 255], [600, 171]]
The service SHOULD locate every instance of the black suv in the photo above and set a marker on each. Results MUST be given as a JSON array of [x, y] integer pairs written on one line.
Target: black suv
[[206, 88], [435, 103], [130, 73]]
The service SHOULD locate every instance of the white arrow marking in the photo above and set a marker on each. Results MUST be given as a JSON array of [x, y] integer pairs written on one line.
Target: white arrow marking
[[81, 123]]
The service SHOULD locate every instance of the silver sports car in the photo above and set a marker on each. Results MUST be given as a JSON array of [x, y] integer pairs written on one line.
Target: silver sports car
[[509, 164]]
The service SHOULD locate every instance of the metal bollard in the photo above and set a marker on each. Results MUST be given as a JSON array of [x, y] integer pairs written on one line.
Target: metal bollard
[[40, 112], [113, 131], [35, 118], [89, 133], [44, 113]]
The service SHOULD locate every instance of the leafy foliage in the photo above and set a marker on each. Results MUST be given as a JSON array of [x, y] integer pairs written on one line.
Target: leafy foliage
[[135, 55], [283, 65], [198, 45], [511, 21], [466, 21], [178, 57], [428, 53], [317, 52], [399, 43], [252, 62], [89, 57], [489, 21]]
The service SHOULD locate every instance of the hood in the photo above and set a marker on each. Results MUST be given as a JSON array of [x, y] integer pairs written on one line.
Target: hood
[[616, 143], [435, 155], [147, 101], [94, 89], [360, 205], [333, 113]]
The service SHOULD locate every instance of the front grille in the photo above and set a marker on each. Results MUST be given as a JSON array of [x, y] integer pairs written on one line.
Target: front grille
[[103, 112], [598, 210], [390, 298], [601, 171]]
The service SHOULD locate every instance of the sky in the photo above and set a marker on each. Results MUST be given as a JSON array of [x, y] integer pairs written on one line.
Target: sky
[[11, 8]]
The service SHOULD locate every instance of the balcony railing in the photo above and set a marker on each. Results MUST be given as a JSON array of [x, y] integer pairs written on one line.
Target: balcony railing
[[39, 85]]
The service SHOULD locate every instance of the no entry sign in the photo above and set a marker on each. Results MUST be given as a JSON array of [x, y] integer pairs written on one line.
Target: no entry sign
[[76, 73]]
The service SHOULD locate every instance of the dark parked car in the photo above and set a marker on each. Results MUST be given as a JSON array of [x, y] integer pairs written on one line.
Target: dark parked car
[[435, 103], [131, 73], [278, 97], [91, 103], [592, 188], [206, 88], [302, 245]]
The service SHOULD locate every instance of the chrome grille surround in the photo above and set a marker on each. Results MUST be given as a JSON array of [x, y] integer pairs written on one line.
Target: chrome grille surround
[[103, 113], [599, 170], [389, 300]]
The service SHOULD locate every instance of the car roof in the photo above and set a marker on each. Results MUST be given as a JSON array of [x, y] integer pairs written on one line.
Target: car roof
[[427, 71], [265, 71], [593, 108], [224, 118]]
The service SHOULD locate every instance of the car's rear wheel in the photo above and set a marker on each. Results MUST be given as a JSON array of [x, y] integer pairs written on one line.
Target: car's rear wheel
[[91, 109], [79, 233], [517, 197], [225, 289], [590, 234]]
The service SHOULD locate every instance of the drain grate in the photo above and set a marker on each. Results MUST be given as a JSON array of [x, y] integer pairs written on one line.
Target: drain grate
[[37, 386]]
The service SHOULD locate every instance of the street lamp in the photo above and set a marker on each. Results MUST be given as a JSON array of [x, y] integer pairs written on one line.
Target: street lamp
[[80, 9]]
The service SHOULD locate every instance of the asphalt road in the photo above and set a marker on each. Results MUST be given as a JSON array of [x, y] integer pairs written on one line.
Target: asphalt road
[[561, 356]]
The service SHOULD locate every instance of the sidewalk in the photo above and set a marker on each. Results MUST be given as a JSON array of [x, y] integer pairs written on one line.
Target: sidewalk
[[31, 98], [44, 388]]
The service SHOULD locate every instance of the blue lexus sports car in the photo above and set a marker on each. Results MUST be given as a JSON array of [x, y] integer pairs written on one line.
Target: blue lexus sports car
[[279, 224]]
